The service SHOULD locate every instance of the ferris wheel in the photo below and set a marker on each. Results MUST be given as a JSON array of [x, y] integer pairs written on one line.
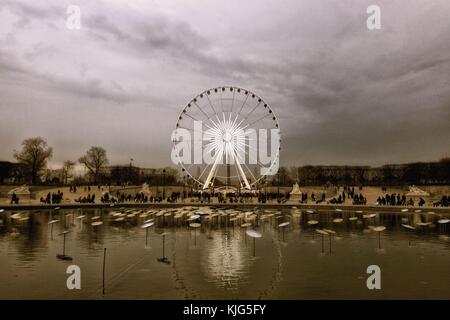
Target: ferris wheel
[[227, 124]]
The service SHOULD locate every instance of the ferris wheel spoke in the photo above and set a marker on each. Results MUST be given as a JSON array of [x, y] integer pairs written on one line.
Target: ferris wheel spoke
[[265, 116], [257, 161], [246, 117], [204, 170], [242, 106], [191, 129], [235, 126], [221, 100], [212, 146], [243, 162], [216, 124], [187, 170], [192, 140], [192, 117], [214, 129], [207, 117], [210, 103], [232, 101], [239, 125]]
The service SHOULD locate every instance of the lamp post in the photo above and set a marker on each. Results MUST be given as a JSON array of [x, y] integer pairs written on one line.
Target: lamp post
[[164, 184], [184, 183], [184, 187], [130, 176], [278, 191], [265, 189]]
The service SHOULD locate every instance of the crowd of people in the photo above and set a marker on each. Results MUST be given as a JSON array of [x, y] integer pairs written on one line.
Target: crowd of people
[[86, 199], [344, 195], [52, 198], [139, 197], [357, 199], [444, 202], [398, 200], [347, 193], [314, 198], [199, 196]]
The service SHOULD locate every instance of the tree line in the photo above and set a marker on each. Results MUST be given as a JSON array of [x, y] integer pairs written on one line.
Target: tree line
[[33, 157], [418, 173]]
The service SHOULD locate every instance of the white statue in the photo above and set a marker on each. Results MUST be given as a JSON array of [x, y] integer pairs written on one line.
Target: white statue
[[146, 189], [296, 193], [295, 189], [416, 192]]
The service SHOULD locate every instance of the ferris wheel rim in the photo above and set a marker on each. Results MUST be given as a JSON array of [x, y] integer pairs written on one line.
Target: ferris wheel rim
[[248, 93]]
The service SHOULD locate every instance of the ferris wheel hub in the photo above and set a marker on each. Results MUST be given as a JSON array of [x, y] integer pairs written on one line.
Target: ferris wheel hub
[[227, 136]]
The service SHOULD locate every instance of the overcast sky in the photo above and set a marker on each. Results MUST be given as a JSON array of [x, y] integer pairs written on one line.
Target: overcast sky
[[343, 94]]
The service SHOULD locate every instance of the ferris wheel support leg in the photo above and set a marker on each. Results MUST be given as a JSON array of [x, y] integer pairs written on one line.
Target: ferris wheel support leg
[[241, 172], [212, 173]]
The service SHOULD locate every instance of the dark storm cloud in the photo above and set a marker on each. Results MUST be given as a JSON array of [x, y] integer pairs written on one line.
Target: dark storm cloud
[[343, 94], [176, 40], [143, 37], [90, 87]]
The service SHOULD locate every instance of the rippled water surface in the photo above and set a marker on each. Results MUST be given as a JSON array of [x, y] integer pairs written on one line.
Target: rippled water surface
[[217, 261]]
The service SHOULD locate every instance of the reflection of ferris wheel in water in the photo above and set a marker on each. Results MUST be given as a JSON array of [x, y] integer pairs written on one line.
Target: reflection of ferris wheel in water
[[225, 115]]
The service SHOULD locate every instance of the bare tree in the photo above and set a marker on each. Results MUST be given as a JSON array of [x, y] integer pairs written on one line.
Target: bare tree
[[94, 160], [67, 170], [34, 155]]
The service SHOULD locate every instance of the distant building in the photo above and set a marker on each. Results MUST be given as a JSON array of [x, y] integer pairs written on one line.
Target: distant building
[[126, 174], [12, 173], [419, 173], [54, 176]]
